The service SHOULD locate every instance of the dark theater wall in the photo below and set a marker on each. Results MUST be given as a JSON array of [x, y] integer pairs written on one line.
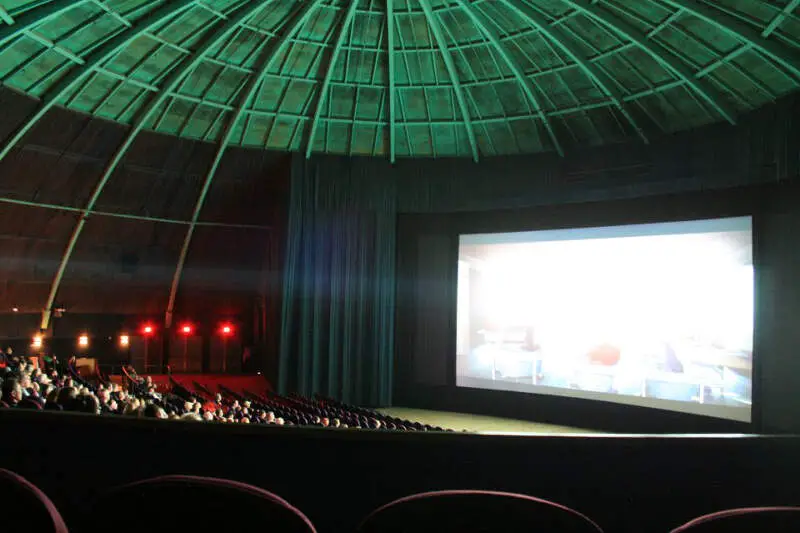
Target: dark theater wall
[[125, 266]]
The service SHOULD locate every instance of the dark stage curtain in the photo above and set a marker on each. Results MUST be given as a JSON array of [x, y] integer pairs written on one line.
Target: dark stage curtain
[[339, 297]]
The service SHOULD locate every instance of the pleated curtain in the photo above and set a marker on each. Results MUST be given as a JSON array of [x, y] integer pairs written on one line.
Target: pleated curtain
[[337, 335]]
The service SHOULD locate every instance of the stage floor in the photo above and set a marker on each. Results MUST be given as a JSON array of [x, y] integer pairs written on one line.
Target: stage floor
[[477, 423]]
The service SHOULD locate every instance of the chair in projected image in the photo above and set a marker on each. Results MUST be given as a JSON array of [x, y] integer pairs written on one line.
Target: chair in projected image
[[468, 511], [745, 520]]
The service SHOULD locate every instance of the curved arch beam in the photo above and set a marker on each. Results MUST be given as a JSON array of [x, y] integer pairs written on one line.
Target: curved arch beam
[[558, 37], [36, 16], [451, 71], [779, 18], [323, 95], [245, 100], [660, 53], [171, 83], [391, 22], [524, 81], [724, 22], [80, 73]]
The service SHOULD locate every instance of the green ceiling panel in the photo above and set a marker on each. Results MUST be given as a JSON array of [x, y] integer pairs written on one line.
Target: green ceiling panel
[[519, 76]]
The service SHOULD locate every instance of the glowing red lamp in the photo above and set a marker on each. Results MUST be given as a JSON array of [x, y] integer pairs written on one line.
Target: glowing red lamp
[[226, 330], [186, 329], [148, 330]]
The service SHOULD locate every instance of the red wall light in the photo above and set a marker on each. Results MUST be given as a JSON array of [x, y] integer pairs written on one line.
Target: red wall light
[[186, 329], [226, 329], [148, 330]]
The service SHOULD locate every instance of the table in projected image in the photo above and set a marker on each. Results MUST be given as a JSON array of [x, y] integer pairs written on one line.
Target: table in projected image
[[511, 356], [702, 383], [647, 382]]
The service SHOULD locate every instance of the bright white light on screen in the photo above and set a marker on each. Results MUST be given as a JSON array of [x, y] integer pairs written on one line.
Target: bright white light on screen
[[647, 291]]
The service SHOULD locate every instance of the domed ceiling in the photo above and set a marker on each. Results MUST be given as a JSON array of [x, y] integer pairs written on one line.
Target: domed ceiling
[[401, 78]]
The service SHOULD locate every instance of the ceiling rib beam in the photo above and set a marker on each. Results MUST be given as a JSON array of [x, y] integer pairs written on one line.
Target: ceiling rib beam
[[92, 62], [721, 20], [780, 17], [127, 216], [525, 82], [36, 16], [560, 39], [660, 53], [323, 95], [451, 71], [5, 17], [267, 61], [217, 36], [390, 29]]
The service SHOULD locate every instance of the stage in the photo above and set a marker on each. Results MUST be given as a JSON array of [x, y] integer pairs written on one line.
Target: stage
[[478, 423]]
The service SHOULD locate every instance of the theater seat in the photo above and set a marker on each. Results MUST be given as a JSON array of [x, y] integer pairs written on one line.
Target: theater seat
[[473, 511], [749, 520], [25, 507], [175, 503]]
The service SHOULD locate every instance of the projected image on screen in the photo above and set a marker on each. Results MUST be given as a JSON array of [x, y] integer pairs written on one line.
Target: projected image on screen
[[656, 315]]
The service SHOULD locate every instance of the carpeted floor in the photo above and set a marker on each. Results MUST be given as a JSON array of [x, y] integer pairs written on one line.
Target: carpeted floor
[[477, 423]]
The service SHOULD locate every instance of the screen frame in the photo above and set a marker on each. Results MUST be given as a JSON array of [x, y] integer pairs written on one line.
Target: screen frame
[[611, 416], [666, 405]]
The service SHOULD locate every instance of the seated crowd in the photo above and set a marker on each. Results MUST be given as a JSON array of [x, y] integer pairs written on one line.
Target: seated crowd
[[59, 387]]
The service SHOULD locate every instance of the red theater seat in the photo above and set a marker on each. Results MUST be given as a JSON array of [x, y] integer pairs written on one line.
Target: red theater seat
[[190, 503], [25, 507], [746, 520], [468, 511]]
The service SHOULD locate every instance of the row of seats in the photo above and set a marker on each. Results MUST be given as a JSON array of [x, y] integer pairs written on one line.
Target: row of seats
[[191, 503]]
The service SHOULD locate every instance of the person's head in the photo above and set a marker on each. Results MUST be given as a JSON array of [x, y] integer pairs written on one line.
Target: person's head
[[187, 406], [12, 391], [66, 395], [90, 404], [270, 418], [244, 420], [218, 398], [325, 422], [148, 380], [52, 395], [247, 404], [208, 416], [103, 395], [154, 411], [25, 380], [279, 421], [131, 410], [192, 417], [336, 423]]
